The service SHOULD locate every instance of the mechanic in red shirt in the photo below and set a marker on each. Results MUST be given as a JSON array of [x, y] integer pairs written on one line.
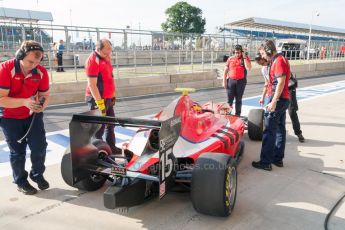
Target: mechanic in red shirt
[[23, 84], [293, 106], [235, 77], [274, 135], [100, 91]]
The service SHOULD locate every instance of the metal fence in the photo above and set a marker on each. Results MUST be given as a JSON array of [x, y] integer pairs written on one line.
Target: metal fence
[[141, 52]]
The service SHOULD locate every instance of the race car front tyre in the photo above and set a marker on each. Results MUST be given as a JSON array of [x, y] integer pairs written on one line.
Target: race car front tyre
[[255, 124], [214, 184]]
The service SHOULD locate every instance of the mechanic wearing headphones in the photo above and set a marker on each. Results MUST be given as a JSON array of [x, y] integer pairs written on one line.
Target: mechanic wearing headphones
[[100, 91], [24, 94], [274, 135], [293, 106], [235, 77]]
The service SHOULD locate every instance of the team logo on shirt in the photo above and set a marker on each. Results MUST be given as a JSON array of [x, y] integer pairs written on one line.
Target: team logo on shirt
[[35, 79]]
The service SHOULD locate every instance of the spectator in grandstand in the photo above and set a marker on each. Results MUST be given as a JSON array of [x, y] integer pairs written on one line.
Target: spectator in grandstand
[[274, 135], [235, 77], [323, 52], [54, 52], [24, 94], [100, 91], [59, 56]]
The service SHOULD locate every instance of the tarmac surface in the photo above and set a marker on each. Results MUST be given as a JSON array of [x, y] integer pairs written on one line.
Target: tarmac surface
[[297, 196]]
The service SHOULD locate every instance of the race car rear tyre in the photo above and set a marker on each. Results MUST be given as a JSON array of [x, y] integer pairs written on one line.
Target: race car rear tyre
[[255, 124], [93, 181], [214, 184], [66, 167], [102, 146]]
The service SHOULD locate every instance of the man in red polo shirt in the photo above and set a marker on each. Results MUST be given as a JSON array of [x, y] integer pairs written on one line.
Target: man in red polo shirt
[[274, 135], [23, 85], [235, 77], [100, 91]]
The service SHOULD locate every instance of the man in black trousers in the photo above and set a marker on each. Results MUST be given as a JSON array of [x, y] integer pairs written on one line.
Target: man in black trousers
[[293, 108]]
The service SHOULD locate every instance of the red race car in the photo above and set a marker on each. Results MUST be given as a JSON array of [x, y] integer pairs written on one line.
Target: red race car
[[193, 146]]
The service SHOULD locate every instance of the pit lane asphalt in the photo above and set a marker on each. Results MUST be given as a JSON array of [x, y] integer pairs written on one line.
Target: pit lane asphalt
[[297, 196], [58, 117]]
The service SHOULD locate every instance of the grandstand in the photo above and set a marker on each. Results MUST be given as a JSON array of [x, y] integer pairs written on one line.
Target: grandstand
[[276, 35], [277, 29], [250, 32], [17, 25]]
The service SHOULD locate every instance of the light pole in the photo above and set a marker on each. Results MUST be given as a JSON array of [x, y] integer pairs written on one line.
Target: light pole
[[309, 40], [70, 19], [140, 37]]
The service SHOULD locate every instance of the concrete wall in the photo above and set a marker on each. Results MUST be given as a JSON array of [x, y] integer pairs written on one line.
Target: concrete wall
[[74, 91], [144, 57], [71, 92]]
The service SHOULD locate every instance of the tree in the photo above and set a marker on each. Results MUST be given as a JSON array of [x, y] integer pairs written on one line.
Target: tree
[[184, 18]]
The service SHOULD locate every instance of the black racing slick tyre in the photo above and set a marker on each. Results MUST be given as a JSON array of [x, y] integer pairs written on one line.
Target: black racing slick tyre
[[255, 124], [102, 146], [93, 181], [66, 167], [214, 184]]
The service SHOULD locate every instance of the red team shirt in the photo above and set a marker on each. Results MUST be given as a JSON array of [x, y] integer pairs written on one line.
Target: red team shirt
[[280, 66], [236, 70], [96, 66], [19, 86]]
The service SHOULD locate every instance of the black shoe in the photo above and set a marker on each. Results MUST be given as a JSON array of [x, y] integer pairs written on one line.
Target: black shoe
[[259, 165], [279, 164], [301, 138], [26, 188], [41, 182]]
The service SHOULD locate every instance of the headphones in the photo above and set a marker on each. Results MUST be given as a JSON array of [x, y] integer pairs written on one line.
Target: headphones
[[238, 47], [258, 57], [268, 47], [21, 53], [268, 50]]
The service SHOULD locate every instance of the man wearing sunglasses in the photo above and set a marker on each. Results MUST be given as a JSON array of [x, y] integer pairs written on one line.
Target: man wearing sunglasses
[[235, 77]]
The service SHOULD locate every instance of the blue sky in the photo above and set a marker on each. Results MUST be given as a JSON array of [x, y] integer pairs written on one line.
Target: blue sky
[[150, 13]]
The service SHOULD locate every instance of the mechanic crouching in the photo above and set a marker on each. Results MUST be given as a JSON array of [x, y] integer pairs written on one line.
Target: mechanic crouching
[[24, 94]]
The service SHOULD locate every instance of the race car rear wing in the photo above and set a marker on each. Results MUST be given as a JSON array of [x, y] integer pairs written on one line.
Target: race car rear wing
[[89, 117], [83, 127]]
